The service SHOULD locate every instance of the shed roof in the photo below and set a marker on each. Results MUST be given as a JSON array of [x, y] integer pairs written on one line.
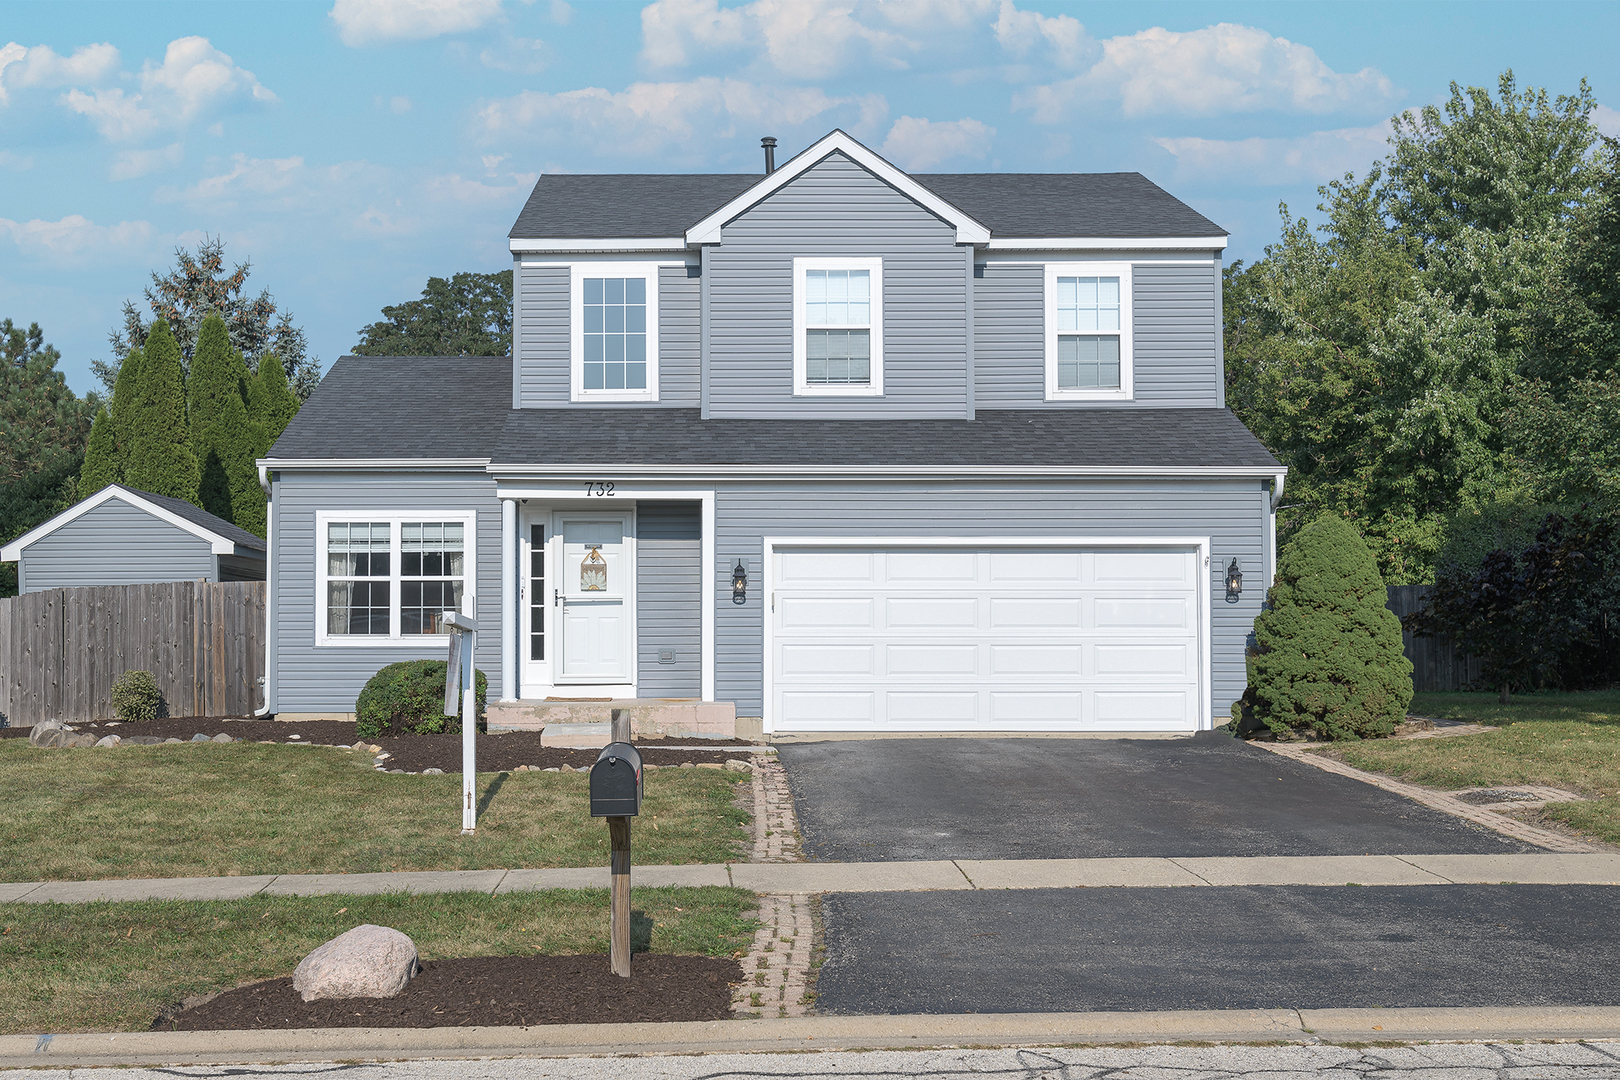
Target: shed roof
[[224, 537]]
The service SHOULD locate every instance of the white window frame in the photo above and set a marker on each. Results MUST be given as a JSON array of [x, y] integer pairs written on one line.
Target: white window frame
[[801, 385], [1127, 366], [468, 519], [577, 273]]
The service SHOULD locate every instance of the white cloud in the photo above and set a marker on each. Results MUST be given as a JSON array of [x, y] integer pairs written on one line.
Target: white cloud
[[194, 79], [1022, 32], [459, 189], [562, 13], [652, 117], [915, 143], [1220, 69], [1313, 158], [800, 38], [134, 163], [15, 162], [526, 55], [246, 177], [75, 237], [399, 104], [42, 66], [492, 161], [929, 15], [376, 22], [1607, 120]]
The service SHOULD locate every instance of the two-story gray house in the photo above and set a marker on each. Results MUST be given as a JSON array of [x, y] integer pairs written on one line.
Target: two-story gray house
[[848, 448]]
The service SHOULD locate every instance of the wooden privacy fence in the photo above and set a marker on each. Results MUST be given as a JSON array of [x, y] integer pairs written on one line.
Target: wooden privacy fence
[[62, 649], [1437, 664]]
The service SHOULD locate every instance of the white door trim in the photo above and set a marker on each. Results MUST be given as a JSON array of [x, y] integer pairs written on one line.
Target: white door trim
[[1201, 544], [703, 496], [560, 566]]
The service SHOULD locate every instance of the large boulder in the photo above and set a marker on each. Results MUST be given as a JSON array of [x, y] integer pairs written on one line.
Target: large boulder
[[367, 962], [50, 733]]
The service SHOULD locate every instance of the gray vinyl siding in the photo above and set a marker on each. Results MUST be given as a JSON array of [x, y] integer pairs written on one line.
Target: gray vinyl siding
[[543, 340], [669, 598], [1177, 361], [1232, 513], [310, 678], [837, 208], [115, 544]]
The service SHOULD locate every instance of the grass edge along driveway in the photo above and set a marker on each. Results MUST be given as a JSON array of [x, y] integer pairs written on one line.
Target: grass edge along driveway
[[115, 966], [214, 810], [1563, 740]]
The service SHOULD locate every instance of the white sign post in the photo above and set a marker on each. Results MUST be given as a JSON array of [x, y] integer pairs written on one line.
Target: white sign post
[[461, 673]]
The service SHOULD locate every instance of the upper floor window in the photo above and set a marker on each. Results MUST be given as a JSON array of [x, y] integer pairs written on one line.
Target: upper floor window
[[837, 326], [1088, 331], [614, 331], [389, 578]]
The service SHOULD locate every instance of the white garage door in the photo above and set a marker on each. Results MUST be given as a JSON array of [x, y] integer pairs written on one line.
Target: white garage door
[[1010, 639]]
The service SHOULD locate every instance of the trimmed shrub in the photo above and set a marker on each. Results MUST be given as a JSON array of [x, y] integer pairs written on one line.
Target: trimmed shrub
[[407, 698], [135, 696], [1328, 657]]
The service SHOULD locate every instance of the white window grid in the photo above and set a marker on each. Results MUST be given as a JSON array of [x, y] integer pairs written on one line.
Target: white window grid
[[1088, 320], [578, 273], [813, 311], [393, 522]]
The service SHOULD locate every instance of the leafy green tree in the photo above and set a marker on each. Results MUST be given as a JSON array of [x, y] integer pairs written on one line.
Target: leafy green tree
[[230, 480], [102, 465], [160, 458], [467, 315], [272, 405], [199, 286], [1328, 657], [217, 374]]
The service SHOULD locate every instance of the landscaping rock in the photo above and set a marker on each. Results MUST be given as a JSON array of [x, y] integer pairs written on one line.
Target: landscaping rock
[[432, 772], [222, 737], [80, 741], [48, 736], [687, 765], [174, 740], [200, 737], [142, 740], [367, 962], [109, 740], [737, 765]]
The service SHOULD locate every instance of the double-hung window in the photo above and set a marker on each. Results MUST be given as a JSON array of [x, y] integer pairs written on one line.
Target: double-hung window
[[1088, 331], [837, 326], [389, 578], [613, 349]]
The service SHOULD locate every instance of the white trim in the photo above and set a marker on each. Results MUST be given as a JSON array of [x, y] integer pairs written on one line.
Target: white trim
[[604, 256], [1200, 544], [648, 271], [968, 231], [424, 464], [469, 574], [570, 245], [220, 545], [982, 257], [1109, 243], [269, 603], [509, 600], [514, 471], [1127, 318], [801, 385], [705, 496]]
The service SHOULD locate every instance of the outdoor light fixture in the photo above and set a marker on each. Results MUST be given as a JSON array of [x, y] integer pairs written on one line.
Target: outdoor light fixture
[[1234, 583], [739, 584]]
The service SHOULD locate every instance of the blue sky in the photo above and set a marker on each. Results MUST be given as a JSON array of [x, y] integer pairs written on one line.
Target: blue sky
[[352, 149]]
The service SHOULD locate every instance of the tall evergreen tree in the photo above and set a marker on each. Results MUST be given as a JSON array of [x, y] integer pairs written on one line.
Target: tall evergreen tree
[[218, 373], [230, 479], [101, 462], [272, 405], [125, 403], [161, 460]]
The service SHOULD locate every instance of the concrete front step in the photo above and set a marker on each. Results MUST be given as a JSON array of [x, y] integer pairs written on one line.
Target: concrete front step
[[585, 723]]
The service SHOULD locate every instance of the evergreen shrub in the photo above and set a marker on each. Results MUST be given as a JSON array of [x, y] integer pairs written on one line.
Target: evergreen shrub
[[1328, 658], [135, 696], [407, 698]]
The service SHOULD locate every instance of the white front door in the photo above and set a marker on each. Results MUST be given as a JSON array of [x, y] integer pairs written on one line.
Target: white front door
[[593, 575]]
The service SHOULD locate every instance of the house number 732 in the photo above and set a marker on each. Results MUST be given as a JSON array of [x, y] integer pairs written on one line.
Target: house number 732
[[598, 487]]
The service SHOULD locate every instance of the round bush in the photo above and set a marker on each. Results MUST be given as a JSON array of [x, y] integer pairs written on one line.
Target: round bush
[[1328, 656], [408, 699], [135, 696]]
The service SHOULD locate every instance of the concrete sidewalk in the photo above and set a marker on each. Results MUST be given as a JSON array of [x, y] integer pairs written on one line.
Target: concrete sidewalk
[[1307, 1026], [1546, 869]]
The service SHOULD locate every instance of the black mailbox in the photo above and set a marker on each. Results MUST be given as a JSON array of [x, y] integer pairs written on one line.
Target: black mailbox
[[616, 782]]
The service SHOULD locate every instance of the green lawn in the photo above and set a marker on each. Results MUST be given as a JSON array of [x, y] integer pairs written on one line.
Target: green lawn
[[214, 810], [1570, 741], [114, 967]]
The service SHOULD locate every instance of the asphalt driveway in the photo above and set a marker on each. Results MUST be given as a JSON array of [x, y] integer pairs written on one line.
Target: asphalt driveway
[[1043, 950], [902, 799]]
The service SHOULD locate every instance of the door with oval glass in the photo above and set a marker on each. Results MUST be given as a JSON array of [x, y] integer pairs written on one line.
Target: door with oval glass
[[594, 593]]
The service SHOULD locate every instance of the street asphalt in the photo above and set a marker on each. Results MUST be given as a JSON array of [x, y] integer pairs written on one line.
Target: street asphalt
[[1279, 947], [1210, 795]]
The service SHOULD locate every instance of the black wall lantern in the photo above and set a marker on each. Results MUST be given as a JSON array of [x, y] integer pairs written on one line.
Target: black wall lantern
[[1234, 583], [739, 584]]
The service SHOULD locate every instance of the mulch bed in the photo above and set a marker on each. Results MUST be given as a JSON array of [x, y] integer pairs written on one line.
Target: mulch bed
[[489, 991], [499, 752]]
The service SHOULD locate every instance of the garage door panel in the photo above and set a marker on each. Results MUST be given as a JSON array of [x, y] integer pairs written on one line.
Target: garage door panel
[[812, 711], [1150, 661], [827, 568], [1142, 569], [902, 660], [843, 661], [932, 709], [1031, 613], [940, 615], [1027, 708], [826, 613], [931, 568], [1046, 569], [1126, 707], [1142, 613], [1037, 660]]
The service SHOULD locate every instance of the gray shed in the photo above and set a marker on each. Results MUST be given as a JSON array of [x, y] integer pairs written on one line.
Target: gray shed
[[120, 536]]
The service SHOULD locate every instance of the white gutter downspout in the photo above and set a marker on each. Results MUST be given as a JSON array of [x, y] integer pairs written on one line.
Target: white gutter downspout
[[1271, 527], [269, 587]]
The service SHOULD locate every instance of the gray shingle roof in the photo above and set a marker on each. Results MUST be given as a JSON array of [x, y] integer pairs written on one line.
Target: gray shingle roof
[[198, 516], [397, 407], [1011, 204]]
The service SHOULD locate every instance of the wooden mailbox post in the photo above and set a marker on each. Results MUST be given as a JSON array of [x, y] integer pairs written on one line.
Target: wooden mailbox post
[[616, 795]]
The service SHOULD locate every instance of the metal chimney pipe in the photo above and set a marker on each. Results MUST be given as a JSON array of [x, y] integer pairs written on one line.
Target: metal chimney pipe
[[769, 143]]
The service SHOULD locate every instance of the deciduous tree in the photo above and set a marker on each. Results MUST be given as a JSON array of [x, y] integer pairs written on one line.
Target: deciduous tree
[[467, 315]]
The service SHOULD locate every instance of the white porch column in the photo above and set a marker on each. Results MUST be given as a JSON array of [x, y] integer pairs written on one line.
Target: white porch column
[[509, 601]]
